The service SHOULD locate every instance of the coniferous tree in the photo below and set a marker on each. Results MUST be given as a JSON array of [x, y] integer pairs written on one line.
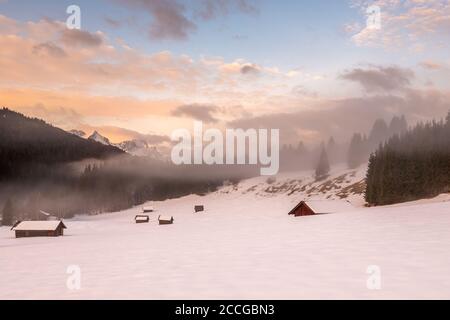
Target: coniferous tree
[[323, 167], [332, 150], [331, 144], [403, 125], [301, 148], [361, 147], [356, 152], [379, 133], [398, 125]]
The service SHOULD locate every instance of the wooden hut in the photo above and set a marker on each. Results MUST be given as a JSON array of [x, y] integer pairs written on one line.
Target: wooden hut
[[165, 220], [313, 207], [199, 208], [148, 209], [39, 229], [140, 218]]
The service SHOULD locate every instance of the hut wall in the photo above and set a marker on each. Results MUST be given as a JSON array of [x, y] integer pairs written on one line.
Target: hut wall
[[38, 233], [303, 210]]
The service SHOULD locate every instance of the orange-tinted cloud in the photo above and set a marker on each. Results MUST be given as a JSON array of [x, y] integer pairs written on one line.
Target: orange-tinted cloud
[[86, 105], [43, 63]]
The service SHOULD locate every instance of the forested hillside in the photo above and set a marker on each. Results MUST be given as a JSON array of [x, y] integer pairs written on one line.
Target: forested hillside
[[29, 145], [411, 166]]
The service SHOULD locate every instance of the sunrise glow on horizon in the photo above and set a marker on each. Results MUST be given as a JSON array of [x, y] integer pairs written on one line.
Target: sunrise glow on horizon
[[150, 67]]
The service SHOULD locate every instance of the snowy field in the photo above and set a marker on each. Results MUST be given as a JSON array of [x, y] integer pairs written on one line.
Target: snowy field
[[244, 246]]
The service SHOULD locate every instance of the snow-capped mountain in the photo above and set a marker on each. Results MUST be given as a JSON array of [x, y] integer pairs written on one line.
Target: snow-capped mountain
[[99, 138], [140, 148], [135, 147], [79, 133]]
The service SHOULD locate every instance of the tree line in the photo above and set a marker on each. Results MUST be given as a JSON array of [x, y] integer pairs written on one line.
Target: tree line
[[354, 153], [105, 186], [411, 165]]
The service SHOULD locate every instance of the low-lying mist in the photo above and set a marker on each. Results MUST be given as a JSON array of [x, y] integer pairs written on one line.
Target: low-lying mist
[[96, 186]]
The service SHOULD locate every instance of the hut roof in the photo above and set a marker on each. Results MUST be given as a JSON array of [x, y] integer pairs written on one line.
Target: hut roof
[[148, 208], [326, 206], [38, 226], [165, 218], [141, 218]]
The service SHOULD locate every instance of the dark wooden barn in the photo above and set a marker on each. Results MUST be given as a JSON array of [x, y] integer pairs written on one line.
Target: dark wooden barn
[[140, 218], [199, 208], [313, 207], [165, 220], [302, 209], [39, 229]]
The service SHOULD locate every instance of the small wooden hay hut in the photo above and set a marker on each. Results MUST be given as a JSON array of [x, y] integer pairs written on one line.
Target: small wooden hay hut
[[165, 219], [39, 229], [140, 218], [199, 208]]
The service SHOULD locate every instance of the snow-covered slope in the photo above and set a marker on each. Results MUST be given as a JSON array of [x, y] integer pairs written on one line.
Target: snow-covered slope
[[244, 246], [341, 183], [79, 133]]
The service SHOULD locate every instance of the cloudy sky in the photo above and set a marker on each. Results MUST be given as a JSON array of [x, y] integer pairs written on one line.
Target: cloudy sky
[[143, 68]]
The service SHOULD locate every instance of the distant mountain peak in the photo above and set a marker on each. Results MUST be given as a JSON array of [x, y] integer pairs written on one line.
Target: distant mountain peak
[[95, 136], [135, 147], [140, 148]]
